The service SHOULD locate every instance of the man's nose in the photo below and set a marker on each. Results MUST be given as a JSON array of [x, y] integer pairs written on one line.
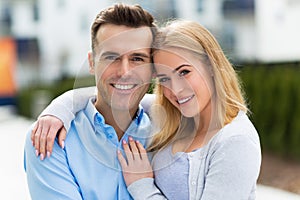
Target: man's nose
[[124, 67]]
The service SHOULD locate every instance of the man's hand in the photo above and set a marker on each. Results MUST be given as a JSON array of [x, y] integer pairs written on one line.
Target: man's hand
[[137, 165], [43, 135]]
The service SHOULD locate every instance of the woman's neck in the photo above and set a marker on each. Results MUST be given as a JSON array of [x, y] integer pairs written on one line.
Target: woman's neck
[[205, 127]]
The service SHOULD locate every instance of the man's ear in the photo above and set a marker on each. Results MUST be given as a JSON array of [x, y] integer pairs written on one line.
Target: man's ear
[[91, 63]]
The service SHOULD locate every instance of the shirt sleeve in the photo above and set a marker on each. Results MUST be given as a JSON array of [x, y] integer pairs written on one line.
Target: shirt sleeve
[[65, 106], [234, 169], [145, 189], [50, 178]]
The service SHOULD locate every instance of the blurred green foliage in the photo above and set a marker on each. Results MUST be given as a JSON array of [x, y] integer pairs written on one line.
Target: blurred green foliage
[[28, 98], [272, 92]]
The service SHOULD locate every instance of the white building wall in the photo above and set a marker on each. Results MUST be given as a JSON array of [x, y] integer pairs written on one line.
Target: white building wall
[[63, 31], [245, 48], [23, 25], [278, 30], [210, 16], [270, 35], [64, 34]]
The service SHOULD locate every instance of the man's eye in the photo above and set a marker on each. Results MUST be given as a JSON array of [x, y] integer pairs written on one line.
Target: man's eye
[[111, 57], [137, 59]]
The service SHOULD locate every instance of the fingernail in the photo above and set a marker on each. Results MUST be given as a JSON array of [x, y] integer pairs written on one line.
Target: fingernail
[[36, 152], [42, 156], [124, 141], [48, 154], [63, 144], [118, 151], [130, 138], [137, 141]]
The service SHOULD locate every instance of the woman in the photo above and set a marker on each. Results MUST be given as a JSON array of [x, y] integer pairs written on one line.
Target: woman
[[205, 147]]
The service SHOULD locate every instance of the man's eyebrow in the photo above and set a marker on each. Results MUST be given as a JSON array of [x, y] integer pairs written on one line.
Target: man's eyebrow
[[109, 53], [140, 55], [112, 53]]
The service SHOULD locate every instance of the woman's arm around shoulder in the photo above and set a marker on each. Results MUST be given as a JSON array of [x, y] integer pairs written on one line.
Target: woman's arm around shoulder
[[55, 120]]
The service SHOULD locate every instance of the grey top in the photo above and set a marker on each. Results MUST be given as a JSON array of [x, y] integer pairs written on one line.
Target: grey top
[[226, 168], [176, 168]]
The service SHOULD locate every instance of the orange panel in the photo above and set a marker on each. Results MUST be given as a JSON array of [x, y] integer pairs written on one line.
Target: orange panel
[[7, 67]]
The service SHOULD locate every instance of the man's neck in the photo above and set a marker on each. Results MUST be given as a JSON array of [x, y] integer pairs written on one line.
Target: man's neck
[[118, 119]]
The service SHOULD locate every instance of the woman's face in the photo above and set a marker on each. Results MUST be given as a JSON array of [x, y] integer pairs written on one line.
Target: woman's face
[[185, 79]]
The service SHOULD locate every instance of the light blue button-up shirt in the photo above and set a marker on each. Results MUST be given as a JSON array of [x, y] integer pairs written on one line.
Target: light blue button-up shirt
[[87, 168]]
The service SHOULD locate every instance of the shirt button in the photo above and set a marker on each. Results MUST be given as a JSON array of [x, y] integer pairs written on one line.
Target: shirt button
[[109, 136], [193, 182]]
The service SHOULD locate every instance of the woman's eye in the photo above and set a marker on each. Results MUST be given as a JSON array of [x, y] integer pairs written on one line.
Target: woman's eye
[[163, 80], [183, 72]]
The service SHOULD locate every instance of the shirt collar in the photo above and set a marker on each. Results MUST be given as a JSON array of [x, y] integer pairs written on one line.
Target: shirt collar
[[139, 115], [92, 112], [96, 117]]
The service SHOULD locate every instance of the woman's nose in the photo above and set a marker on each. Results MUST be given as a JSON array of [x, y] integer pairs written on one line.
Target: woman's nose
[[177, 85]]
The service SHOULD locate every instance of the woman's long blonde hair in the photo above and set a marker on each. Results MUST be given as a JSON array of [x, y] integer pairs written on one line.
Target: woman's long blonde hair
[[229, 100]]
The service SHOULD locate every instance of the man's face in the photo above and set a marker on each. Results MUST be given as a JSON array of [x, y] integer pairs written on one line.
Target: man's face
[[121, 64]]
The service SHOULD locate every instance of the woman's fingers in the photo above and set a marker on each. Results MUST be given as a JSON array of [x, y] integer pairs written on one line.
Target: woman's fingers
[[137, 165], [134, 149], [51, 137], [142, 150], [36, 142], [127, 151], [32, 136], [122, 160], [62, 137], [43, 140], [43, 135]]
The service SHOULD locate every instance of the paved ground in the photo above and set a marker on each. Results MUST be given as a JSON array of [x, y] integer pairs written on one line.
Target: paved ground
[[12, 136], [12, 176]]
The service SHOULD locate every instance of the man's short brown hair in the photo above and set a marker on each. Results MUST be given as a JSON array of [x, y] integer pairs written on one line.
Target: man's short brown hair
[[121, 14]]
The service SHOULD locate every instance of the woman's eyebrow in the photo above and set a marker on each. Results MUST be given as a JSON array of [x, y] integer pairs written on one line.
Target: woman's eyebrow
[[160, 75], [179, 67]]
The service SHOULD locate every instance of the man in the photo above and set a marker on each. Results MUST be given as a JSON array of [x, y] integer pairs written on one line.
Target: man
[[87, 166]]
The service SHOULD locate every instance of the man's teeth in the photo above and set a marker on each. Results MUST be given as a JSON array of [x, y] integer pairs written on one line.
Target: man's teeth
[[181, 101], [124, 87]]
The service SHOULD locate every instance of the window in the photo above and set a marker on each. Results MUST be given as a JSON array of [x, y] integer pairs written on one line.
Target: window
[[238, 6], [35, 9], [199, 5]]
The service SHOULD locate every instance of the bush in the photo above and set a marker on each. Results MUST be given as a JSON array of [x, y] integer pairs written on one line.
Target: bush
[[274, 94], [32, 100]]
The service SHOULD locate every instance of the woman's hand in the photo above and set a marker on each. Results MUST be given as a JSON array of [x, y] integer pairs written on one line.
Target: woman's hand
[[43, 135], [137, 165]]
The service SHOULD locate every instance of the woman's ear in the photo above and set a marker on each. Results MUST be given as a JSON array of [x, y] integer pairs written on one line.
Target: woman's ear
[[91, 62]]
